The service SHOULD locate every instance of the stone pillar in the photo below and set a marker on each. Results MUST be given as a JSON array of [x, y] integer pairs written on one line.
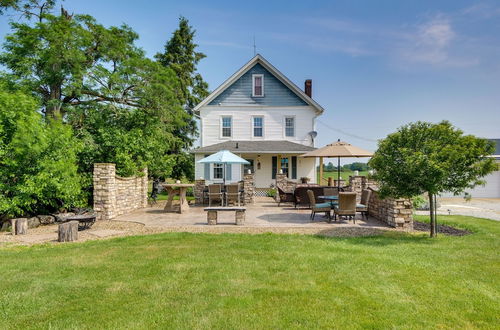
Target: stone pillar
[[249, 188], [104, 191], [240, 217], [199, 186], [212, 217]]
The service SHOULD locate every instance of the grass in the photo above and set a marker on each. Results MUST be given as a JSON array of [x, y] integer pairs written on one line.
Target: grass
[[343, 174], [182, 280]]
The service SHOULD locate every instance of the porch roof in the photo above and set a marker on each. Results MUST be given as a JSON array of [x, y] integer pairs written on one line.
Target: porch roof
[[256, 147]]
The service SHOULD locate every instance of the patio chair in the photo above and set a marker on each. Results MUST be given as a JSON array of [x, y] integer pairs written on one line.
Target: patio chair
[[363, 205], [346, 207], [320, 207], [285, 197], [215, 194], [233, 193]]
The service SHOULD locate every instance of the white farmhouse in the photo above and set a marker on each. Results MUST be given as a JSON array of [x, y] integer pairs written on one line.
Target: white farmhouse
[[260, 115]]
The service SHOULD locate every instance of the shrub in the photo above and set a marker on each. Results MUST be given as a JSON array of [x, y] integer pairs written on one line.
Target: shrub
[[38, 165]]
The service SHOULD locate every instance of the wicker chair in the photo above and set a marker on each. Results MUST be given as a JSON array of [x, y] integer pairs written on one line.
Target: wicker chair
[[346, 207], [320, 207], [233, 194], [215, 194], [285, 197], [331, 191], [363, 205]]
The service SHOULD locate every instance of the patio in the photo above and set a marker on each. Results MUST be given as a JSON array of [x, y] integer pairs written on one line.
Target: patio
[[264, 213]]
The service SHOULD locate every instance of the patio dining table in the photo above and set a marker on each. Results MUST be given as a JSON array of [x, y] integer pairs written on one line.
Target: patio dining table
[[330, 198]]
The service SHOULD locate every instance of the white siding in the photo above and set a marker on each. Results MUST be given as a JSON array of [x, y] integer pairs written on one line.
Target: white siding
[[274, 121]]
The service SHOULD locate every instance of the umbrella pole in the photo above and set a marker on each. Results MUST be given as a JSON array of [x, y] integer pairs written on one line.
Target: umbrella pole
[[338, 172]]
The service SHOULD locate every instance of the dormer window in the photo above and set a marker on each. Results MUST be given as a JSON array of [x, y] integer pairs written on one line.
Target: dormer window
[[257, 85]]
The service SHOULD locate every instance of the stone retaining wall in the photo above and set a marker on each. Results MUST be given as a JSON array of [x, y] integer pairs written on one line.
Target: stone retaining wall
[[359, 183], [396, 212], [114, 195]]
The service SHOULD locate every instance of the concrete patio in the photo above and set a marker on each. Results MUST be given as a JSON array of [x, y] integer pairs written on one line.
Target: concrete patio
[[264, 213]]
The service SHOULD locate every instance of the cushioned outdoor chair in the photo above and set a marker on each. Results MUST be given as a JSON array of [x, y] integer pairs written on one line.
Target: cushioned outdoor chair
[[346, 207], [363, 204], [215, 194], [320, 207], [285, 197], [233, 194]]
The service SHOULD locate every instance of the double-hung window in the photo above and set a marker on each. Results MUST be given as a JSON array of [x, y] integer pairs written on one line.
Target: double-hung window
[[289, 126], [218, 171], [257, 85], [227, 126], [258, 126]]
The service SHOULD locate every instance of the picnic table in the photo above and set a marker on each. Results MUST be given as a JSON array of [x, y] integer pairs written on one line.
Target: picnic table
[[179, 189]]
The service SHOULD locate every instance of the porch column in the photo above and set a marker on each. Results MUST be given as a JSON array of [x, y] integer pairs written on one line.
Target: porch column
[[320, 170]]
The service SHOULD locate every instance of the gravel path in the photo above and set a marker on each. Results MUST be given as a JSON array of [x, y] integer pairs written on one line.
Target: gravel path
[[109, 229]]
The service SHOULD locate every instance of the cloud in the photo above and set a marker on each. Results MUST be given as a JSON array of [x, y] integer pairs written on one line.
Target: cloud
[[434, 42]]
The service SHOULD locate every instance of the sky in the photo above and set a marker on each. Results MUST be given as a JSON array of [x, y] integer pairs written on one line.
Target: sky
[[375, 65]]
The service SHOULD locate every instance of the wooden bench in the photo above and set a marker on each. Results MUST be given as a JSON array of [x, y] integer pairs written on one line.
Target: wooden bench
[[239, 218]]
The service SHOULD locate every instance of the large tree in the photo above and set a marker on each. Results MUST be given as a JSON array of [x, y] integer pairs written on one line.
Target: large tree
[[124, 106], [181, 56], [430, 158]]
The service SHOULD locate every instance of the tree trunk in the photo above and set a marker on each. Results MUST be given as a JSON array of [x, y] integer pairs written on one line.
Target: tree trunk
[[21, 226], [433, 215], [68, 231]]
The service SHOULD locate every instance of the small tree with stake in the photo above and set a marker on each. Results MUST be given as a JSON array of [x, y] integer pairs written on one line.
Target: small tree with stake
[[430, 158]]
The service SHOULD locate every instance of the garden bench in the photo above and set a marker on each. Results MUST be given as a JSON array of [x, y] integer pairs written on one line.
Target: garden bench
[[239, 218]]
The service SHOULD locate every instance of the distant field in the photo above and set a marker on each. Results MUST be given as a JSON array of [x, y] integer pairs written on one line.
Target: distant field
[[344, 175]]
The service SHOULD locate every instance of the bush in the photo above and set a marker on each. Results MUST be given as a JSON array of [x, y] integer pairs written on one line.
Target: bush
[[38, 164], [271, 193]]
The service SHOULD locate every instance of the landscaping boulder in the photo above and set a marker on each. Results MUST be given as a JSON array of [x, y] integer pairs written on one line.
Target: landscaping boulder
[[33, 222], [47, 219]]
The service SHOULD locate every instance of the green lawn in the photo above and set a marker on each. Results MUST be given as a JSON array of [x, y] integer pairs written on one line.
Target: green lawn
[[344, 175], [181, 280]]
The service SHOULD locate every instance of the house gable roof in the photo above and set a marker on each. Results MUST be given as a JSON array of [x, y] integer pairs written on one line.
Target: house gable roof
[[258, 59]]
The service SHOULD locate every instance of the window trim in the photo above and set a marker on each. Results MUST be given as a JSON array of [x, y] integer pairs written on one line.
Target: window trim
[[253, 84], [294, 126], [253, 127], [221, 133]]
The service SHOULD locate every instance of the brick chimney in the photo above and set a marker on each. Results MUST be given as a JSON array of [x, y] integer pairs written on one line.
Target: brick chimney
[[308, 87]]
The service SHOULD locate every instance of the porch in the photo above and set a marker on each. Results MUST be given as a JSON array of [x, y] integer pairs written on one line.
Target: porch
[[266, 158]]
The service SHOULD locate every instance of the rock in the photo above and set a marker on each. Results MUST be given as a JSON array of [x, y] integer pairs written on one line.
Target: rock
[[47, 219], [33, 222]]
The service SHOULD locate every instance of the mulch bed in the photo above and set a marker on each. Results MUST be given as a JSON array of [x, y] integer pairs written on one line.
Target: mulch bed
[[443, 229]]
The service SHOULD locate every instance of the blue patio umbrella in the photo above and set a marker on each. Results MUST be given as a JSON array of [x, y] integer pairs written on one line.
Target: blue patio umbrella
[[223, 157]]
